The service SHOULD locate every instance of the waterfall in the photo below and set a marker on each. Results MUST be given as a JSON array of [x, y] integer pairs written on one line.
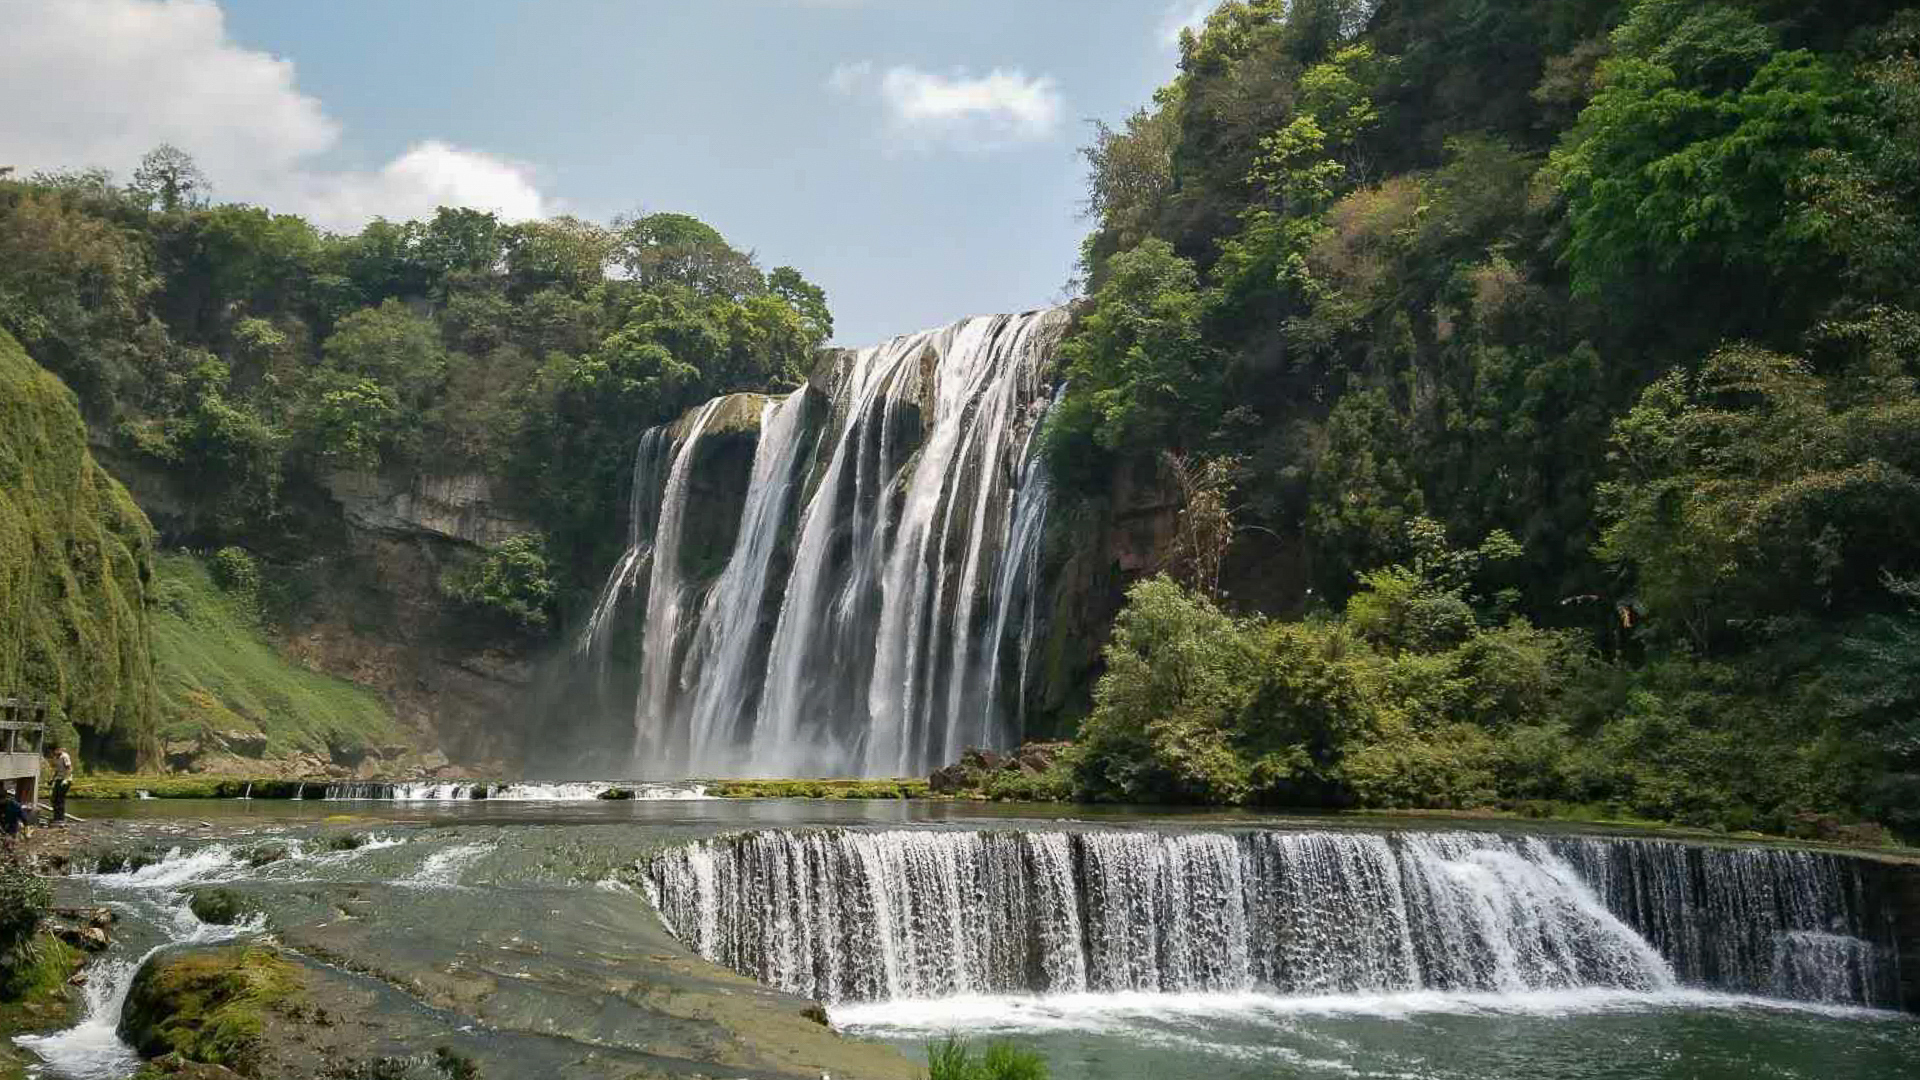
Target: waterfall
[[870, 916], [723, 655], [872, 613]]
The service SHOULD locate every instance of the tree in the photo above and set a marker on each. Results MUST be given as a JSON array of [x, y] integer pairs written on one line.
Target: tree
[[656, 249], [1755, 489], [511, 582], [169, 179], [804, 297], [1690, 153], [1141, 376], [1205, 528]]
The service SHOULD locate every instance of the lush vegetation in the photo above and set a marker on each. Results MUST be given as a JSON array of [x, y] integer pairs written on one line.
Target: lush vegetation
[[225, 688], [818, 789], [75, 560], [1548, 373], [954, 1059], [252, 356]]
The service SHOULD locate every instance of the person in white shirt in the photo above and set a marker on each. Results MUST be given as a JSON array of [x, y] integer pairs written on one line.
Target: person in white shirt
[[62, 780]]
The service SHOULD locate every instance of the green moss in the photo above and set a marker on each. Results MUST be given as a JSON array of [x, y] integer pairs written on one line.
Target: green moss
[[219, 674], [35, 996], [221, 907], [819, 789], [208, 1006], [194, 787], [75, 562]]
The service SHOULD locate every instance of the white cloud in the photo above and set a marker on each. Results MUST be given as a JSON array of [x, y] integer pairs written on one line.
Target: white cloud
[[1184, 15], [970, 112], [848, 78], [110, 79]]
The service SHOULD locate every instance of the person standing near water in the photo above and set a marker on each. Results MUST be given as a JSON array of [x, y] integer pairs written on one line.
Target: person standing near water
[[62, 780], [12, 814]]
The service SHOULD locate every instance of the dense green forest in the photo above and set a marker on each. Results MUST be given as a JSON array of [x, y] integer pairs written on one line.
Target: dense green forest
[[250, 355], [1540, 379]]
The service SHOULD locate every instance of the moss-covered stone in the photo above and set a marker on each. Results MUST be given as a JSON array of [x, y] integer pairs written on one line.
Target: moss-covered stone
[[221, 907], [819, 789], [76, 561], [39, 998], [208, 1005]]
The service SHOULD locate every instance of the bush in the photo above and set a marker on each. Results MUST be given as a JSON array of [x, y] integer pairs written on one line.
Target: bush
[[952, 1059], [24, 902], [236, 571], [512, 583]]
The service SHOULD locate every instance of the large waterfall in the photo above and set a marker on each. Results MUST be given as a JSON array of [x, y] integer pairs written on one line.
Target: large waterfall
[[864, 916], [838, 582]]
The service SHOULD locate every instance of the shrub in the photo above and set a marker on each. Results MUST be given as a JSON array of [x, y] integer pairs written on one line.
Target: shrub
[[24, 901], [512, 583], [953, 1059], [236, 571]]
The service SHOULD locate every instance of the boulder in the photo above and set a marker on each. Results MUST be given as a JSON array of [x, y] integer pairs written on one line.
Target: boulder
[[208, 1006]]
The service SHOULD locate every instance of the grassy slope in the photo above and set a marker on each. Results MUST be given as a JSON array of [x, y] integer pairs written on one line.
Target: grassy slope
[[218, 673], [74, 562]]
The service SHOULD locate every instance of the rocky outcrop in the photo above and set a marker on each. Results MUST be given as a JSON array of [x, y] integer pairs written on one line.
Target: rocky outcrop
[[210, 1006], [461, 506]]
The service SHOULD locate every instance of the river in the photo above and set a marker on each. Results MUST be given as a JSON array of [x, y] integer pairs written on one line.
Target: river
[[524, 933]]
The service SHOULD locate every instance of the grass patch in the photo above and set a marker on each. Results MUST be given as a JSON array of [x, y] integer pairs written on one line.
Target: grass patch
[[954, 1059], [218, 673], [35, 996], [193, 787], [818, 789]]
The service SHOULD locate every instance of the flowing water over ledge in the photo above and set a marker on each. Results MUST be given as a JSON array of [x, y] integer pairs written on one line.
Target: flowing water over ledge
[[1229, 947], [875, 916]]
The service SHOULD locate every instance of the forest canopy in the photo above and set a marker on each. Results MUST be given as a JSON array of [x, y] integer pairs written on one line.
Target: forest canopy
[[252, 354], [1619, 292]]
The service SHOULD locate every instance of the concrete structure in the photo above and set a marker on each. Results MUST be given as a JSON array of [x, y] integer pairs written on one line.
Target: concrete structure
[[23, 731]]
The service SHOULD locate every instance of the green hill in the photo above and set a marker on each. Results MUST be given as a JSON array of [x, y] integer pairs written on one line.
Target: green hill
[[75, 563]]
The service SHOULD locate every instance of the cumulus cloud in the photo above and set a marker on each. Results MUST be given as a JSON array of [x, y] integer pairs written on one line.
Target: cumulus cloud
[[113, 78], [984, 112]]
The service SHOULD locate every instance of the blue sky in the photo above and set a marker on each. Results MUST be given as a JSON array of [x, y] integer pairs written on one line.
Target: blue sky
[[915, 157]]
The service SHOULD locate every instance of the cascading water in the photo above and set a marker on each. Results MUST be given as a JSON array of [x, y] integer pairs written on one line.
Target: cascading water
[[871, 916], [872, 612]]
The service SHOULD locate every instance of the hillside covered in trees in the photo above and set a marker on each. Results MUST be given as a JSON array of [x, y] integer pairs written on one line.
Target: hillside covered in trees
[[250, 375], [1540, 380]]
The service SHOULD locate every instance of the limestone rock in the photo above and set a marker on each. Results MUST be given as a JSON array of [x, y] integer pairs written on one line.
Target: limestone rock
[[458, 507]]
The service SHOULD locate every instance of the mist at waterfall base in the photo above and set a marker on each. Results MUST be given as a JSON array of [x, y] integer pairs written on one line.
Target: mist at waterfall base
[[840, 581]]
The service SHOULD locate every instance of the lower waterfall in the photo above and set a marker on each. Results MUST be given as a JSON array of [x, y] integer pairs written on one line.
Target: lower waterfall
[[850, 916]]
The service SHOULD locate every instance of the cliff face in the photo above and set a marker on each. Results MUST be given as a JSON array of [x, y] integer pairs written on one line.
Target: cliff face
[[367, 607], [75, 568]]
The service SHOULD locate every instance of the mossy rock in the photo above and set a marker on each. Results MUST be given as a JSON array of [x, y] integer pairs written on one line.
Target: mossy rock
[[221, 907], [127, 860], [208, 1005], [347, 842], [34, 993], [266, 853]]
